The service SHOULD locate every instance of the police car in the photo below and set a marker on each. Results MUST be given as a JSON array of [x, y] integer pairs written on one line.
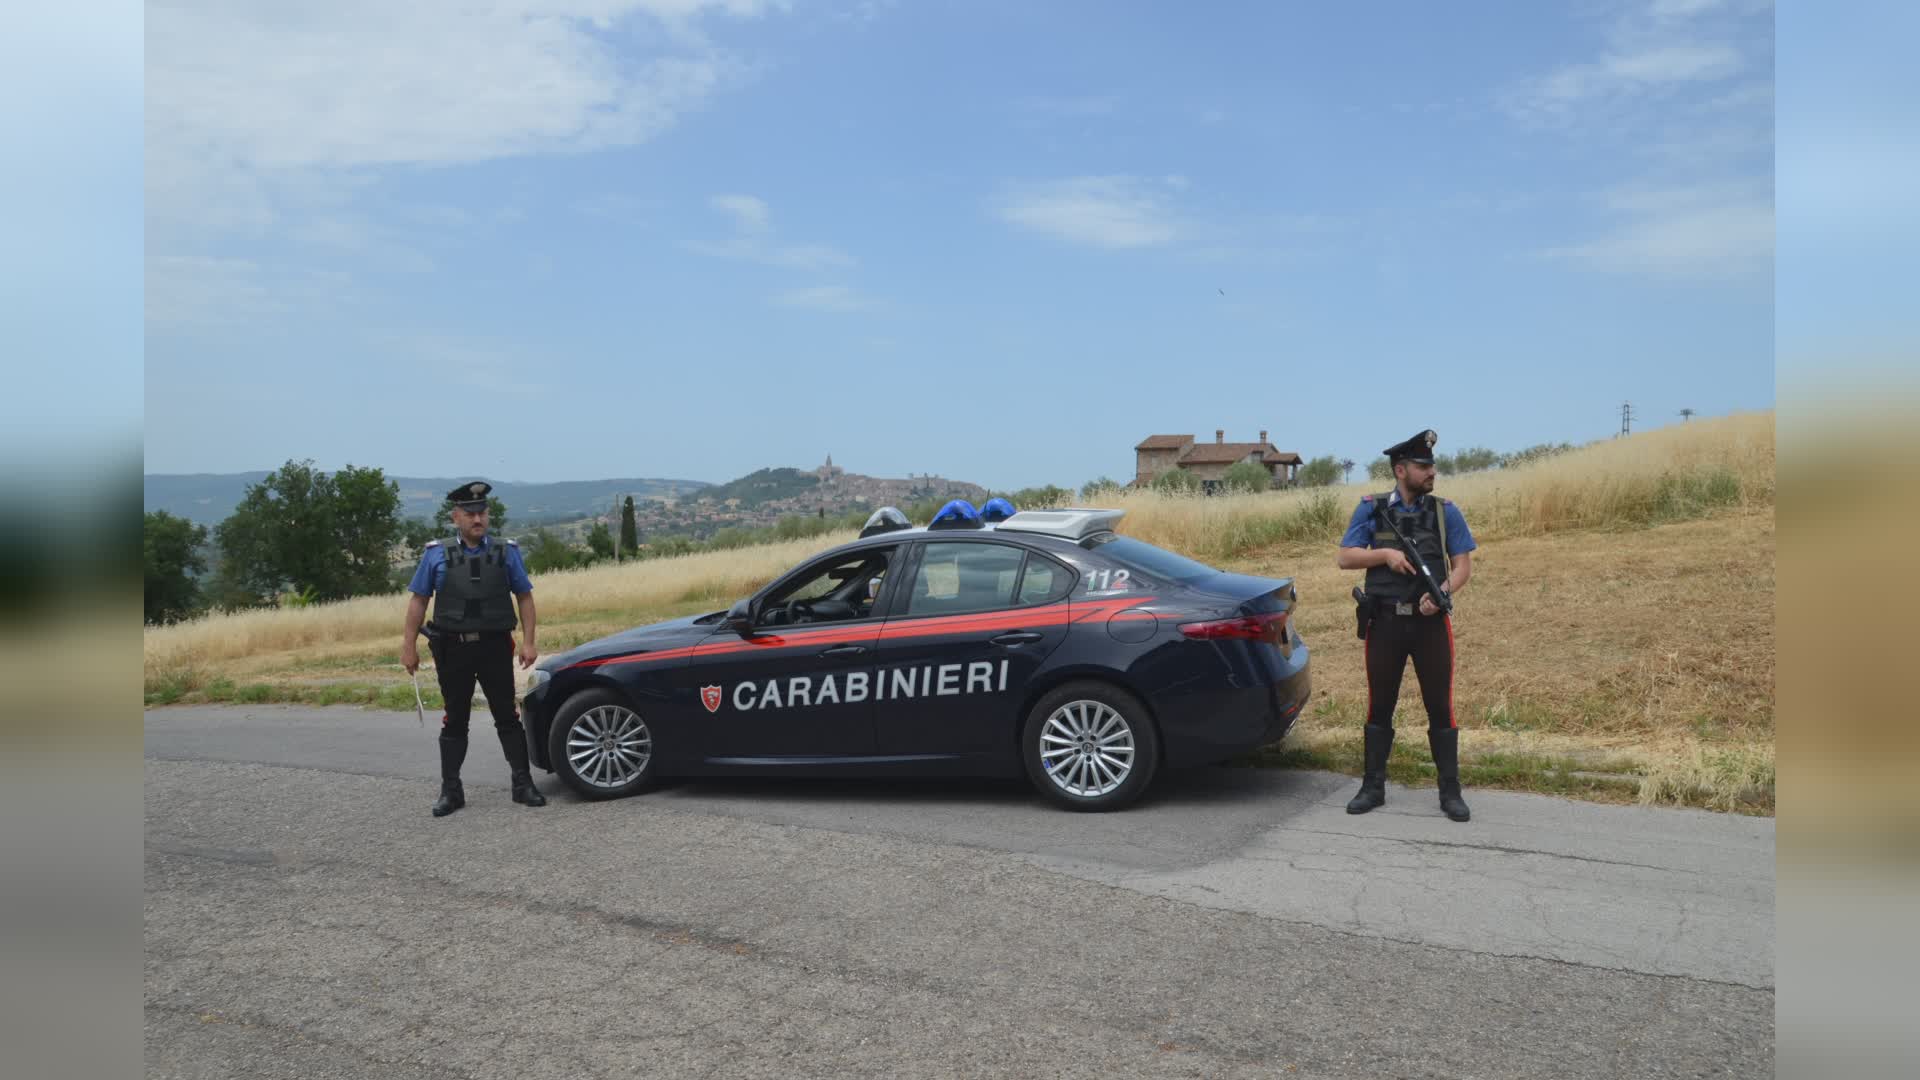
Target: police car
[[988, 643]]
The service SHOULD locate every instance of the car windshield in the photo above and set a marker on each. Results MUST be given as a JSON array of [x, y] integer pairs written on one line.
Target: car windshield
[[1149, 560]]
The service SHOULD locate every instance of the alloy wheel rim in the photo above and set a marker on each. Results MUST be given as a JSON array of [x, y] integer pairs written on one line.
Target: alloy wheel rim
[[1087, 748], [609, 746]]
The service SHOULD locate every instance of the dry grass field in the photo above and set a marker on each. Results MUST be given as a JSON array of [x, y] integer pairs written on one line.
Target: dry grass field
[[1616, 641]]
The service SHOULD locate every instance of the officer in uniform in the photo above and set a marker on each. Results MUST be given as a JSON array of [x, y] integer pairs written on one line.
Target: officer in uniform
[[1402, 621], [474, 581]]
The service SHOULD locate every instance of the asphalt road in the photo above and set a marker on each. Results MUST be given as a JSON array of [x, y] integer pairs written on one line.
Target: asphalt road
[[306, 917]]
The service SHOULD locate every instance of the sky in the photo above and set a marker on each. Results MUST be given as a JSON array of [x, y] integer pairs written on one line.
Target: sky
[[540, 240]]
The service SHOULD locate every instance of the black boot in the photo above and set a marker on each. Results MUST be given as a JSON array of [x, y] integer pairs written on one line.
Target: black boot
[[514, 742], [1446, 762], [1373, 785], [453, 796]]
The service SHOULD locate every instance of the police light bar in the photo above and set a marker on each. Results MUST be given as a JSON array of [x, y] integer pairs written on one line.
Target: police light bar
[[958, 514], [1072, 524], [997, 509]]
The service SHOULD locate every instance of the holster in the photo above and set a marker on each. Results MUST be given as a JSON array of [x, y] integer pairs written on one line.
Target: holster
[[1362, 612]]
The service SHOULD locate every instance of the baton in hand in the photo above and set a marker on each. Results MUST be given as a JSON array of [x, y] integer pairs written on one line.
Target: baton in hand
[[419, 706]]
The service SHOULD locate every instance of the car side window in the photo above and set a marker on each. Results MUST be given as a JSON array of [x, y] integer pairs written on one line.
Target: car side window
[[964, 577], [1044, 580], [831, 592]]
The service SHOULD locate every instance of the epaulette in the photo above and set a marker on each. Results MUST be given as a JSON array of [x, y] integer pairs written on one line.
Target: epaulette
[[514, 543], [1366, 498], [433, 543]]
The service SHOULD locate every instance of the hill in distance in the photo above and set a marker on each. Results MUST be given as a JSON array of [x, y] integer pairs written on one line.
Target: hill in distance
[[208, 498]]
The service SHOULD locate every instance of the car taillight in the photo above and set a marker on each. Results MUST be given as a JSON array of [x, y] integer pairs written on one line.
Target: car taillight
[[1268, 627]]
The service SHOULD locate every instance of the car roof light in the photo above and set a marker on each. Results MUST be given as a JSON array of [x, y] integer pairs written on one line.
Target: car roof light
[[997, 509], [886, 519], [1072, 524], [958, 514]]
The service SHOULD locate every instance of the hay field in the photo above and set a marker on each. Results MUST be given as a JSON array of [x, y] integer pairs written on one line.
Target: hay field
[[1616, 640]]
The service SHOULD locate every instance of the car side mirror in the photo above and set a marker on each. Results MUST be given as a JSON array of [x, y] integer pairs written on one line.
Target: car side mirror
[[740, 617]]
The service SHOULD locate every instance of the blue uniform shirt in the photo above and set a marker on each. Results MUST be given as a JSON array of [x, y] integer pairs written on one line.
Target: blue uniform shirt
[[1360, 529], [432, 573]]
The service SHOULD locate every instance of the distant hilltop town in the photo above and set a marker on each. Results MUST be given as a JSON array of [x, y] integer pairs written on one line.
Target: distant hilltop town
[[764, 497]]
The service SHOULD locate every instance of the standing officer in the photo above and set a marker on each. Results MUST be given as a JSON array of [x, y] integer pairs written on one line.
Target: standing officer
[[1404, 619], [472, 638]]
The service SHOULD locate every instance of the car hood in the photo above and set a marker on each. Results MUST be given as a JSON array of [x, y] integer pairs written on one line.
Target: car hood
[[671, 634]]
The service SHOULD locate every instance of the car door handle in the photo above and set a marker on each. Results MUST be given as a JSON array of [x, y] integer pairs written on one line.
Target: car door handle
[[844, 650], [1016, 637]]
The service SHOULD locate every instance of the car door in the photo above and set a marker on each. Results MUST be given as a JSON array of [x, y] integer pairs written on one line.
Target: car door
[[796, 690], [972, 622]]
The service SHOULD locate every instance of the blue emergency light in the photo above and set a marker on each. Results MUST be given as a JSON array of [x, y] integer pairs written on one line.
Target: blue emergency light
[[958, 514], [997, 509]]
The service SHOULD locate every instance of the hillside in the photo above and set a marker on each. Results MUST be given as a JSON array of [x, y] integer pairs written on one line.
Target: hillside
[[761, 486], [208, 498]]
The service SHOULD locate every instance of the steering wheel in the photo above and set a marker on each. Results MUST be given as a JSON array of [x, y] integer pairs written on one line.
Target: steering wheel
[[799, 611]]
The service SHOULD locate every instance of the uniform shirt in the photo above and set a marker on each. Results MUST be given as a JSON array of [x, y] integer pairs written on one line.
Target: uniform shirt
[[1360, 529], [432, 573]]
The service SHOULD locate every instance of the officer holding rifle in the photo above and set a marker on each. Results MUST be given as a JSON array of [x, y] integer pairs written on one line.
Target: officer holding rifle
[[1417, 552]]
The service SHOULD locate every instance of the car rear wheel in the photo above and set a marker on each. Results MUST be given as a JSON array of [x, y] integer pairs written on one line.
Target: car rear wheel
[[1090, 746], [600, 746]]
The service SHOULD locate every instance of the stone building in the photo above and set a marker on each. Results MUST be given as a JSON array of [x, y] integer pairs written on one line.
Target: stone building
[[1209, 462]]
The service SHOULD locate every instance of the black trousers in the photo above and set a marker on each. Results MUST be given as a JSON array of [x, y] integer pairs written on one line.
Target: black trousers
[[489, 661], [1428, 639]]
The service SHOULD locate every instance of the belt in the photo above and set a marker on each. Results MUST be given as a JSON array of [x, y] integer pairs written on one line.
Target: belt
[[1411, 607], [477, 635]]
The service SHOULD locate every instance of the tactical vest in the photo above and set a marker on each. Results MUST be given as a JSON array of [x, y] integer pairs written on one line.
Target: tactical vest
[[476, 594], [1429, 537]]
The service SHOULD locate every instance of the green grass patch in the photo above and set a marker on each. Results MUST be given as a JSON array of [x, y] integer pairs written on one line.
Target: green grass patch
[[169, 687]]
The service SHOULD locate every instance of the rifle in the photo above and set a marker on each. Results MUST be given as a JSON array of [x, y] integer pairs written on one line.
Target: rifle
[[1433, 585]]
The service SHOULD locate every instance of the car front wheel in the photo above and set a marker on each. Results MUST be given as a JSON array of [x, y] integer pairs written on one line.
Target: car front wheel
[[600, 746], [1090, 746]]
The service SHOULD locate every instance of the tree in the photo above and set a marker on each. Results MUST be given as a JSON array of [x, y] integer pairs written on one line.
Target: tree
[[496, 516], [543, 552], [1380, 469], [366, 518], [1320, 472], [415, 533], [629, 531], [170, 550], [1246, 476], [1175, 481], [1346, 470], [1040, 498], [600, 541], [1103, 488], [299, 529], [1537, 452]]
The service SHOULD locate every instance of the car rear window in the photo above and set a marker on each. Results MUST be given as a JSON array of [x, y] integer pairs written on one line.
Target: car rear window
[[1147, 559]]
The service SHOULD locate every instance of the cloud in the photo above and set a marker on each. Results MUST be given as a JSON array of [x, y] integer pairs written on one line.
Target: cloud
[[1711, 230], [1626, 73], [243, 98], [836, 298], [489, 367], [184, 291], [752, 239], [1113, 212], [749, 214], [1650, 53]]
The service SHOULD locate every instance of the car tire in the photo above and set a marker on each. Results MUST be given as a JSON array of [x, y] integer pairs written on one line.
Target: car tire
[[1090, 746], [601, 747]]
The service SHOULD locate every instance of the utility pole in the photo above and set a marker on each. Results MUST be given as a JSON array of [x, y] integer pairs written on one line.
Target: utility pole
[[1626, 417]]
